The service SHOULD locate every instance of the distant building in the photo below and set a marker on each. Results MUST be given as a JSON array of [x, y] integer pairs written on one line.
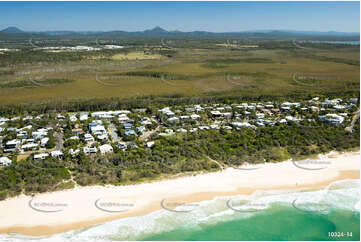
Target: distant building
[[332, 118]]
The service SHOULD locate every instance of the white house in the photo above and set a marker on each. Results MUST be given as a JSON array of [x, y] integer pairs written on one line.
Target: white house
[[123, 118], [167, 132], [4, 161], [41, 156], [30, 146], [227, 115], [173, 120], [195, 116], [73, 118], [44, 141], [98, 130], [167, 111], [216, 113], [73, 152], [39, 134], [146, 121], [83, 117], [333, 118], [105, 149], [291, 118], [242, 125], [90, 150], [150, 144], [57, 154], [122, 145], [12, 145], [183, 117], [88, 138]]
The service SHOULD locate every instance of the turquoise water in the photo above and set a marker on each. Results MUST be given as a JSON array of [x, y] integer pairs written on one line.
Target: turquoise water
[[277, 223], [338, 42], [264, 215]]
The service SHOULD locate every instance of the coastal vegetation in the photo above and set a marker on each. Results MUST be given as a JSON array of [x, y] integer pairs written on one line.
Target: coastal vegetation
[[195, 152]]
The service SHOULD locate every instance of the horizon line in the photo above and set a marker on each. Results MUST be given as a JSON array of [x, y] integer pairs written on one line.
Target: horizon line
[[236, 31]]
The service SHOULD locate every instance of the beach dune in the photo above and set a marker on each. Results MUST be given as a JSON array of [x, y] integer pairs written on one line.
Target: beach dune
[[58, 212]]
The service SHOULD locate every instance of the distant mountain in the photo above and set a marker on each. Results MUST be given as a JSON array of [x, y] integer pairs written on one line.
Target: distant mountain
[[12, 30], [158, 32], [67, 32]]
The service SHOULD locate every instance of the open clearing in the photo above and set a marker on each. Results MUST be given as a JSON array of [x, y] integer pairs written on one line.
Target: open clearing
[[136, 56]]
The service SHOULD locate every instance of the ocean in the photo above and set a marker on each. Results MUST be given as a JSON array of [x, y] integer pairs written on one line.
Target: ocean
[[332, 213], [337, 42]]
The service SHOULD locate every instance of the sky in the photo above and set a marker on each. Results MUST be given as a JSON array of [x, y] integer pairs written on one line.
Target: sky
[[183, 16]]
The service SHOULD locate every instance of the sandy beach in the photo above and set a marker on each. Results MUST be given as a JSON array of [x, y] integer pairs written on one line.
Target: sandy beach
[[58, 212]]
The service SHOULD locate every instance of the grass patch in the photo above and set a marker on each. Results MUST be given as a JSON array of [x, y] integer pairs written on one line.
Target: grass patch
[[30, 84], [66, 185], [136, 56], [155, 74], [223, 63], [17, 84]]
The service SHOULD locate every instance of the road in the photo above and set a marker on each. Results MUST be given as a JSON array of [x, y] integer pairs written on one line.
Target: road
[[149, 133], [113, 133], [59, 140], [354, 119], [219, 164]]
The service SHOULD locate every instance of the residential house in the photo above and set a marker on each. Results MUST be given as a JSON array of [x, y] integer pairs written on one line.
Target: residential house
[[57, 154], [106, 148], [4, 161], [90, 150], [41, 156], [88, 138]]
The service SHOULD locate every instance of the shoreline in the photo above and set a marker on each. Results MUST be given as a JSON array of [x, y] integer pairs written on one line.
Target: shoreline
[[147, 196]]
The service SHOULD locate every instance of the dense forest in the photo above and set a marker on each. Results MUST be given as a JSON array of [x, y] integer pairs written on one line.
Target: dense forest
[[151, 101]]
